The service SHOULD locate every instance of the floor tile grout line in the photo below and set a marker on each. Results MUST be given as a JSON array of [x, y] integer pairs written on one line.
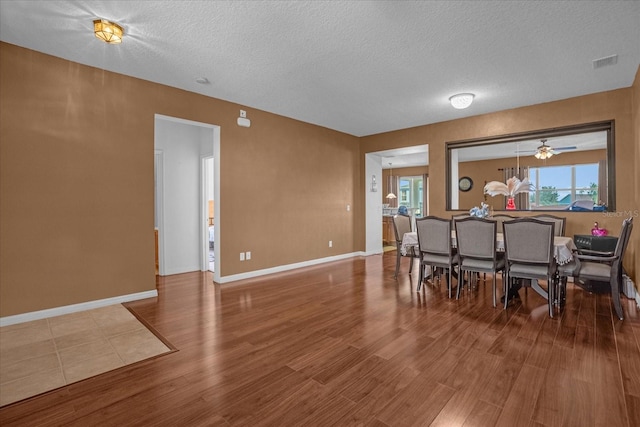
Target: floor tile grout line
[[60, 368], [58, 356]]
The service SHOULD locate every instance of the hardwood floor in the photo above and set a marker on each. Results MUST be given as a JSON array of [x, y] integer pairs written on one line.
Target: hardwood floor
[[346, 344]]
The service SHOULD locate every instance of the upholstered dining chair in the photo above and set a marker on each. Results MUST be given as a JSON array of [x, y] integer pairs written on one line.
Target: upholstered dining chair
[[402, 225], [607, 268], [558, 221], [476, 242], [434, 247], [529, 254], [500, 219]]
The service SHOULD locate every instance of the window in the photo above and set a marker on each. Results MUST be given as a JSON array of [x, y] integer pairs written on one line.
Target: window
[[560, 186], [410, 189]]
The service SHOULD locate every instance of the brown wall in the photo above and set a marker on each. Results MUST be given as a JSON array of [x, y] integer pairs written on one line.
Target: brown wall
[[76, 179], [616, 104]]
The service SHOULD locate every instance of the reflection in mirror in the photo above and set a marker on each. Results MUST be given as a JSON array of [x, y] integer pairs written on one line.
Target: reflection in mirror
[[570, 169]]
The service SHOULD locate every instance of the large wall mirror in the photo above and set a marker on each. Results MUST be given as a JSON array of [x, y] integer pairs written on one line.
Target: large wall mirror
[[570, 169]]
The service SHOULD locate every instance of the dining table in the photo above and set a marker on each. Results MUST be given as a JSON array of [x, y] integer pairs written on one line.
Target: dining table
[[563, 248]]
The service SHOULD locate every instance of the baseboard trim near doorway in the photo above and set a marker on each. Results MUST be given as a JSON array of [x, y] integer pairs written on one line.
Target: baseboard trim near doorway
[[282, 268], [67, 309]]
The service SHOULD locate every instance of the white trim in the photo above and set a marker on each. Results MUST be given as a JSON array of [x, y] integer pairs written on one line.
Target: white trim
[[74, 308], [637, 298], [216, 192], [159, 206], [281, 268]]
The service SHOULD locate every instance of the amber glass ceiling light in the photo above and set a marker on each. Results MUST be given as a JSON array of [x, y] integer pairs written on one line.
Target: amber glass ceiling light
[[107, 31]]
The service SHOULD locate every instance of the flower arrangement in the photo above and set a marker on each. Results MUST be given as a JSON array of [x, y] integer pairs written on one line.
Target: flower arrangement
[[480, 212], [510, 189]]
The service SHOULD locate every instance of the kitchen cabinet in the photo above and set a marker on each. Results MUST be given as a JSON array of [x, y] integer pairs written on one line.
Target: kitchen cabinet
[[388, 236]]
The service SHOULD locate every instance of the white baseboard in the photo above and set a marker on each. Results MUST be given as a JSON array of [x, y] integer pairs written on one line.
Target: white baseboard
[[67, 309], [637, 298], [281, 268]]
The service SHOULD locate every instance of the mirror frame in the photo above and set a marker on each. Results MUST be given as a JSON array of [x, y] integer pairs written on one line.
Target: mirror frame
[[608, 126]]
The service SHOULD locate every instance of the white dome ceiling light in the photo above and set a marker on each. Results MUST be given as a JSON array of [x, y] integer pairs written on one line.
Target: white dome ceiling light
[[461, 100]]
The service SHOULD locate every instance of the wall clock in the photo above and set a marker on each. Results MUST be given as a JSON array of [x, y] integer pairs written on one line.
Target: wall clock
[[465, 183]]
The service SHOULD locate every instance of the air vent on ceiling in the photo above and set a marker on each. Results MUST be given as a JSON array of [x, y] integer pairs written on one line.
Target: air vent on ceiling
[[604, 62]]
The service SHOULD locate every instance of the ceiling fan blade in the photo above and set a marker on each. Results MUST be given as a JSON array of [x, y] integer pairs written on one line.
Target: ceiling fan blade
[[548, 148]]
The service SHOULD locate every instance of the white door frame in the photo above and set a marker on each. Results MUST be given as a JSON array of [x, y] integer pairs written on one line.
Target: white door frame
[[204, 212], [159, 203], [216, 195]]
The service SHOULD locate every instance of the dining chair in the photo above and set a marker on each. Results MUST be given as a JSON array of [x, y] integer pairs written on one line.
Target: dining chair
[[476, 242], [529, 254], [454, 218], [434, 247], [558, 221], [402, 225], [607, 268], [500, 219]]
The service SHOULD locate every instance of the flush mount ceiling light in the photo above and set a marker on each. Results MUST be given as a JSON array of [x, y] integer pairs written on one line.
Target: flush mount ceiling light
[[461, 100], [107, 31]]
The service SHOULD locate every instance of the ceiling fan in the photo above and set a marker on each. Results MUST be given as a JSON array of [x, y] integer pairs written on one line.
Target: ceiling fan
[[544, 151]]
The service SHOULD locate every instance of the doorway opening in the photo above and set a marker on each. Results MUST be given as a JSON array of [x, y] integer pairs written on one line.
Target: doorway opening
[[183, 194], [207, 185], [410, 174]]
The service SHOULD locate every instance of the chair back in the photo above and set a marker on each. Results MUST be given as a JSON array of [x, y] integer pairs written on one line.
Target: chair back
[[476, 238], [401, 225], [529, 241], [434, 235], [558, 221], [455, 218], [621, 246], [500, 219]]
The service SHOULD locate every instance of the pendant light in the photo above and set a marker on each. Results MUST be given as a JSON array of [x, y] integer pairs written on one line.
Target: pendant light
[[391, 196]]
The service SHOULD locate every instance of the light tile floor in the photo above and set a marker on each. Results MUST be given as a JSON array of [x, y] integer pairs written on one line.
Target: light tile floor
[[45, 354]]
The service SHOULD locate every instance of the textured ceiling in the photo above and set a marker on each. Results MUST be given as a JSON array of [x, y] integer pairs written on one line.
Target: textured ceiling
[[360, 67]]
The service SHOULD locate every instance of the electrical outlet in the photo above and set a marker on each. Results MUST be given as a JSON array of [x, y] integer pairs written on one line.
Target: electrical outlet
[[241, 256], [330, 243], [247, 256], [243, 114], [348, 208]]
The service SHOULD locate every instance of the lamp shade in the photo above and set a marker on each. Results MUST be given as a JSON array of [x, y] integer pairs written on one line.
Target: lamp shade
[[107, 31]]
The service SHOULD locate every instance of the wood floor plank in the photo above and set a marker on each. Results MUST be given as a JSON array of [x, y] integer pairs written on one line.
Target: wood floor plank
[[629, 358], [549, 406], [633, 409], [543, 346], [469, 382], [370, 405], [346, 344], [579, 405], [520, 404], [611, 408]]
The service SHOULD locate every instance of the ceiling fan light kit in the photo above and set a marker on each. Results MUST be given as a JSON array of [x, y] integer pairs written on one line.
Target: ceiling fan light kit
[[544, 151]]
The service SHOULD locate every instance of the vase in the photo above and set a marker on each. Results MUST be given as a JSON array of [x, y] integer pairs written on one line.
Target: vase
[[511, 204]]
